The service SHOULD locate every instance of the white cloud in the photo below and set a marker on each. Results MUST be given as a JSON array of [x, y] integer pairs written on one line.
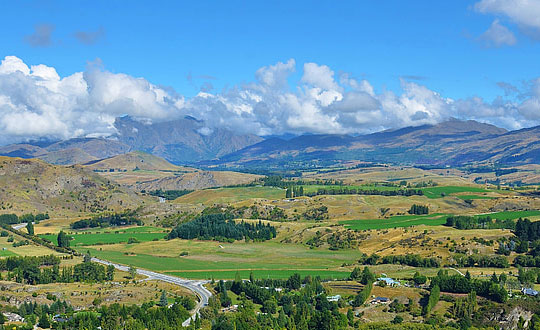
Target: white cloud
[[36, 102], [498, 35], [524, 13]]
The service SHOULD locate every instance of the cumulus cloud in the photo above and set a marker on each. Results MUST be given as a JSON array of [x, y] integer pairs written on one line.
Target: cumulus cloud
[[35, 102], [90, 37], [498, 35], [42, 36], [524, 13]]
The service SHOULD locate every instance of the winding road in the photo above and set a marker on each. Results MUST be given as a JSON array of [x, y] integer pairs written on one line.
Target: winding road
[[192, 285]]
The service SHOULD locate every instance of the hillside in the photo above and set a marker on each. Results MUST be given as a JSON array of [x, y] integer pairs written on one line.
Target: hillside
[[198, 180], [136, 160], [453, 142], [32, 185], [180, 141], [183, 140], [144, 171]]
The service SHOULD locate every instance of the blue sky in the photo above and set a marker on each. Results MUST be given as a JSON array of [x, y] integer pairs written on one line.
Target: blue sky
[[444, 46], [230, 40]]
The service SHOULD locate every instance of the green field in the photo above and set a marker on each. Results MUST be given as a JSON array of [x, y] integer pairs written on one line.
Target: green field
[[436, 192], [7, 253], [207, 258], [261, 274], [83, 239], [510, 215], [134, 229], [436, 219]]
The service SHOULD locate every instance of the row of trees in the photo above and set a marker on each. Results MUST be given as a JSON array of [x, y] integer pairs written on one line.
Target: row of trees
[[527, 230], [107, 220], [11, 219], [221, 226], [413, 260], [354, 191], [468, 222], [45, 269], [478, 260], [169, 194], [419, 209], [433, 299]]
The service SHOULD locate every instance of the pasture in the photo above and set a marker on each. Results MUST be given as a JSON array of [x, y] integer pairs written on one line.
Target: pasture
[[396, 221], [230, 195], [441, 191], [270, 258], [89, 238]]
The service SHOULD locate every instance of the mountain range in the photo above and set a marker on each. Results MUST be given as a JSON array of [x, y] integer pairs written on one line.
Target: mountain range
[[188, 141]]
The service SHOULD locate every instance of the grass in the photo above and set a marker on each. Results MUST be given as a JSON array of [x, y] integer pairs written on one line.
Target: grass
[[231, 195], [207, 258], [436, 192], [396, 221], [7, 253], [510, 215], [436, 219], [84, 239], [261, 274]]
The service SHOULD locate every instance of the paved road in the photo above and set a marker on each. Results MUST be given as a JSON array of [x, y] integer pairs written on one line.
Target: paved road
[[192, 285], [195, 286], [20, 226], [457, 270]]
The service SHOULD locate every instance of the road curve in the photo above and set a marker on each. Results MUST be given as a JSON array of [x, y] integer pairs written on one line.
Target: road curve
[[195, 286]]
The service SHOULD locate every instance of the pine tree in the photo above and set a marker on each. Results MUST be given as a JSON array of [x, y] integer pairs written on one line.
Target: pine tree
[[30, 228], [44, 321], [163, 299]]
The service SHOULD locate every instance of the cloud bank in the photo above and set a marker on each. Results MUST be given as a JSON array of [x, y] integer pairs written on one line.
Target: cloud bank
[[35, 102]]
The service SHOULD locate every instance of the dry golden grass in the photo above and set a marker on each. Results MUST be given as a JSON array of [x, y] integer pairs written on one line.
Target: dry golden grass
[[82, 295]]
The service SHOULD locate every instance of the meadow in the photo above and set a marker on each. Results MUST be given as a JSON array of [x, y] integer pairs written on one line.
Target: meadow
[[92, 238], [396, 222], [231, 195], [222, 260], [441, 191]]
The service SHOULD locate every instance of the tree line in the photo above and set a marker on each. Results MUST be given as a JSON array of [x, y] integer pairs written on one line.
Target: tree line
[[45, 269], [168, 194], [419, 209], [12, 219], [413, 260], [355, 191], [107, 220], [467, 222], [484, 261]]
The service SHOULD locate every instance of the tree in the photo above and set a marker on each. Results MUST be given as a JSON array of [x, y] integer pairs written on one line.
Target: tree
[[30, 228], [44, 321], [163, 299], [110, 272], [132, 271], [270, 306], [419, 279], [63, 239], [367, 276]]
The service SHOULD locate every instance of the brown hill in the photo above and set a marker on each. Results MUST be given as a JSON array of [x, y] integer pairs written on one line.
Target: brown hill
[[32, 185]]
